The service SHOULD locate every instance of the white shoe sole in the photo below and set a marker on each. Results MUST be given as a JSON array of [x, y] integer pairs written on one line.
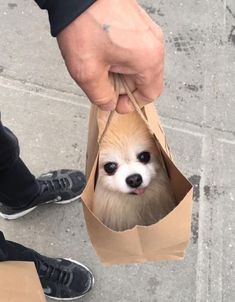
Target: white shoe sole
[[18, 215], [71, 299], [23, 213]]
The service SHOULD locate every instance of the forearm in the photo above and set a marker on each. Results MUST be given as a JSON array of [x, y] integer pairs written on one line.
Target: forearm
[[63, 12]]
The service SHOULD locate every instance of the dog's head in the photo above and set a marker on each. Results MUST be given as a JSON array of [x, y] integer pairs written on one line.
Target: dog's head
[[128, 159]]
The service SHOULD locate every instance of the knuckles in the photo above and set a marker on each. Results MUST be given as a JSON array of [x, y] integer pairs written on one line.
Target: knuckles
[[155, 51], [83, 75]]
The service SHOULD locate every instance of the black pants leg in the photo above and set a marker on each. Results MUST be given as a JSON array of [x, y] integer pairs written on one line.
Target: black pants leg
[[12, 251], [18, 187]]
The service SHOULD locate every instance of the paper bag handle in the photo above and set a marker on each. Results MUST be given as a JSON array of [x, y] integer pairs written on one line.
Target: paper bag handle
[[118, 81]]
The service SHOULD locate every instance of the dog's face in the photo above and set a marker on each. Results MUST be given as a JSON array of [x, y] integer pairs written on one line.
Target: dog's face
[[128, 161], [131, 172]]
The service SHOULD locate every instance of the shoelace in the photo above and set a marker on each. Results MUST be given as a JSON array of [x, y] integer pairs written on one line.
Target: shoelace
[[55, 184], [57, 275]]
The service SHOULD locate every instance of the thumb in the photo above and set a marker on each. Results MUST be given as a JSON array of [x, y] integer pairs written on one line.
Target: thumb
[[98, 84]]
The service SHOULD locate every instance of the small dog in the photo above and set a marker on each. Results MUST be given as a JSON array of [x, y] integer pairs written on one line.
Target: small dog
[[132, 187]]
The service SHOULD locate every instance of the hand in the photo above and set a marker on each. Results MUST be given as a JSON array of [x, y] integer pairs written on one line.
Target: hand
[[114, 37]]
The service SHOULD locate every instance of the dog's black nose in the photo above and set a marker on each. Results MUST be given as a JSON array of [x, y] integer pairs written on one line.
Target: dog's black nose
[[134, 180]]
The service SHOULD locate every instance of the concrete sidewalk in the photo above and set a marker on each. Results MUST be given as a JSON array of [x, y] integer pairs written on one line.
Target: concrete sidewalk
[[48, 113]]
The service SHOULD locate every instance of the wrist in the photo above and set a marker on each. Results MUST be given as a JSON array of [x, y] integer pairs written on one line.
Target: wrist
[[61, 13]]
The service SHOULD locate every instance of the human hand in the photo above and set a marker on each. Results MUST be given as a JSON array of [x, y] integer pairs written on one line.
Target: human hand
[[114, 37]]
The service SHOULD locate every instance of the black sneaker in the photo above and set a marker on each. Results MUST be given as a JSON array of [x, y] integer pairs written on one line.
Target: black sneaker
[[61, 187], [63, 279]]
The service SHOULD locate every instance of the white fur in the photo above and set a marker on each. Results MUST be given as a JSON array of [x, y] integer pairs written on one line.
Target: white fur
[[113, 204]]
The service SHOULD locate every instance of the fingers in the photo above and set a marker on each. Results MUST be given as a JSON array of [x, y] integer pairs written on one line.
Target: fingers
[[130, 44], [149, 86], [144, 87], [124, 105], [96, 81]]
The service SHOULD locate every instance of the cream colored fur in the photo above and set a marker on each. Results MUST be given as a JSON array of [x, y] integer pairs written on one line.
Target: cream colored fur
[[120, 211]]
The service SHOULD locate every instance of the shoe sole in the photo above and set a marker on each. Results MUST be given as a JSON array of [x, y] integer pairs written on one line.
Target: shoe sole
[[23, 213], [78, 297]]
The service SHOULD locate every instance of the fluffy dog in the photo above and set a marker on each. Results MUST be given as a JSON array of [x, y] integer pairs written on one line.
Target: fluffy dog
[[132, 187]]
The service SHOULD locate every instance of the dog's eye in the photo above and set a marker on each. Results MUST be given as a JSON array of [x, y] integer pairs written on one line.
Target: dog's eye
[[144, 157], [110, 168]]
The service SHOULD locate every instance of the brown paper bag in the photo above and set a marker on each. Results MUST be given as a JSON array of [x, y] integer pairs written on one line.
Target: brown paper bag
[[168, 238], [19, 282]]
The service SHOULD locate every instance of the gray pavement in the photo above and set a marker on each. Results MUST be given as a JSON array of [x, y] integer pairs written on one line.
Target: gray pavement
[[48, 112]]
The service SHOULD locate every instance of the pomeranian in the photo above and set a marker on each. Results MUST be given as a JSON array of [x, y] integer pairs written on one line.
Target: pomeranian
[[132, 187]]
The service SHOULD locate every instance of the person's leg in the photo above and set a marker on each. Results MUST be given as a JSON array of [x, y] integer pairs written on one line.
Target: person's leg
[[17, 185], [13, 251], [20, 192], [60, 278]]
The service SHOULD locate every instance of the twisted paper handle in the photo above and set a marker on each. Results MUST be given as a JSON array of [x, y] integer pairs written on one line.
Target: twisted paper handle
[[118, 81]]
